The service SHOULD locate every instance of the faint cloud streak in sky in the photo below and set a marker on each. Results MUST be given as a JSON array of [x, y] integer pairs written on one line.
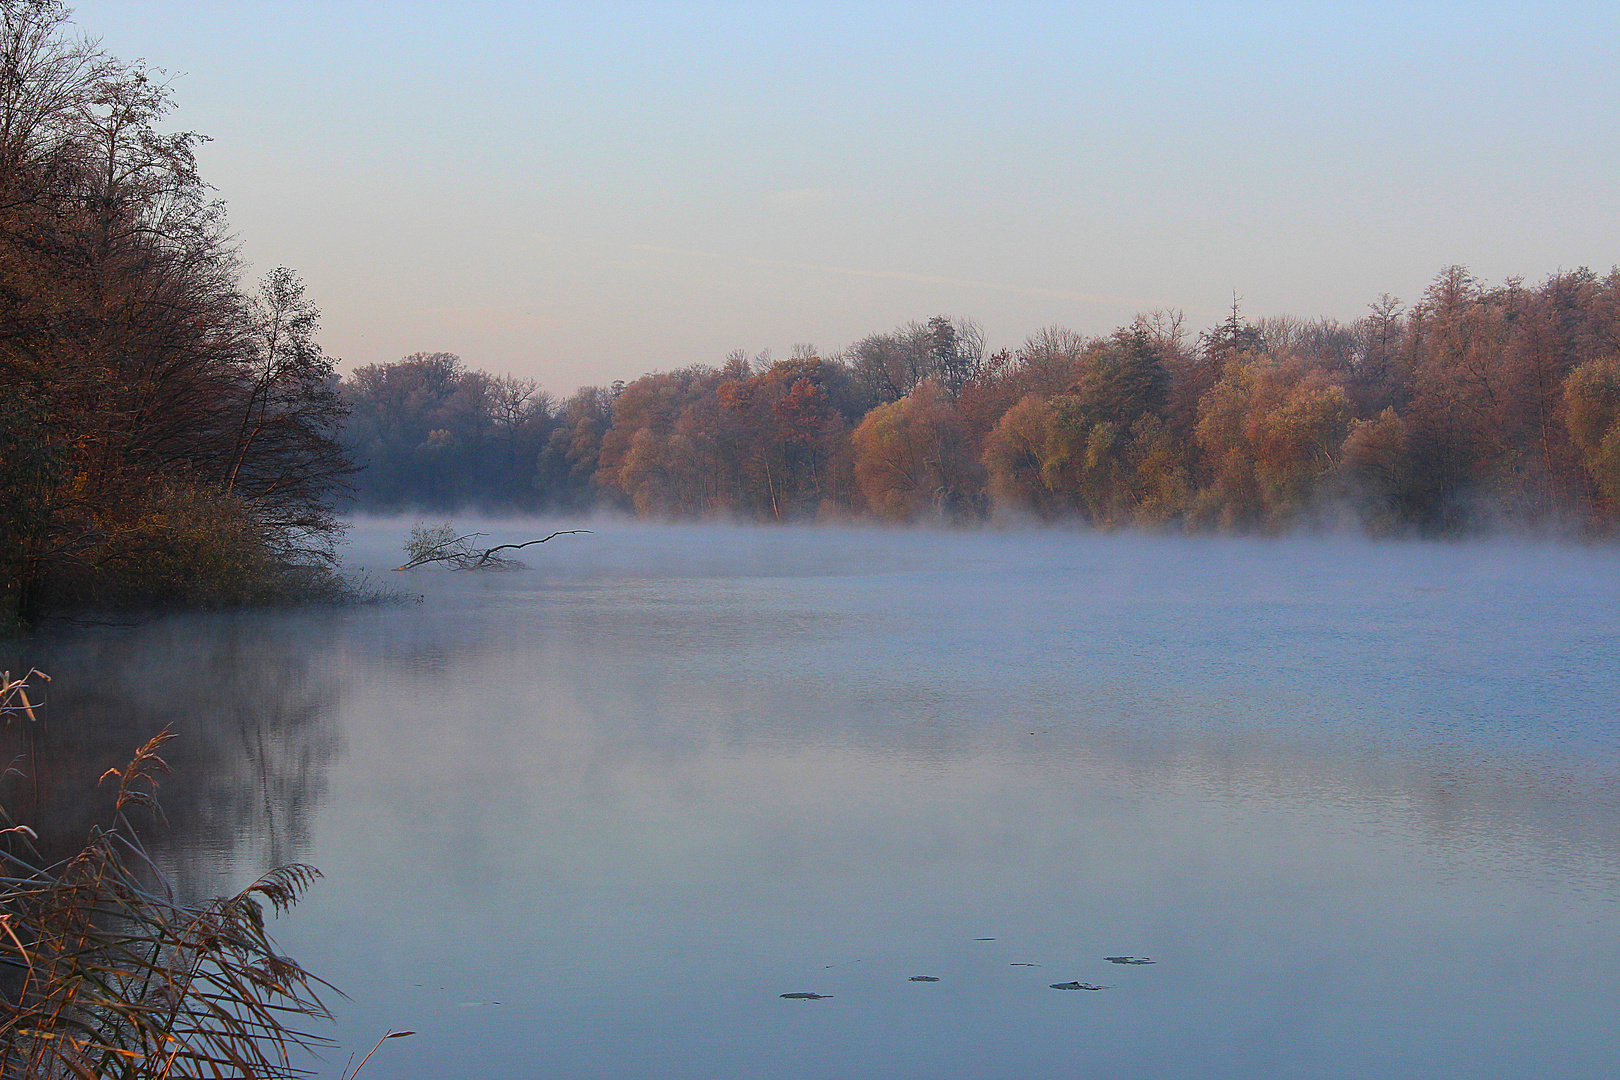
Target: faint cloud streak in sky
[[491, 315], [906, 275], [803, 196]]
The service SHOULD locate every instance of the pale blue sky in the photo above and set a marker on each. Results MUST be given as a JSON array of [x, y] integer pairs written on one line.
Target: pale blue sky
[[584, 192]]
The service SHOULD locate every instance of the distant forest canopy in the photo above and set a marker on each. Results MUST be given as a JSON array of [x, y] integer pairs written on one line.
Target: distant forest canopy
[[1474, 407], [167, 433]]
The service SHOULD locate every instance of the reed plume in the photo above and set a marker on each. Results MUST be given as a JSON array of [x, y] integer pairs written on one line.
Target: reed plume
[[103, 973]]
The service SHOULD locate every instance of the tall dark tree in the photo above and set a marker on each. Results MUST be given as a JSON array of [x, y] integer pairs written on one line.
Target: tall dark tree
[[161, 418], [886, 367]]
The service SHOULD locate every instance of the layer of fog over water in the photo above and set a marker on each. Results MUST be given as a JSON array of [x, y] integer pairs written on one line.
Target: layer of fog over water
[[1357, 801]]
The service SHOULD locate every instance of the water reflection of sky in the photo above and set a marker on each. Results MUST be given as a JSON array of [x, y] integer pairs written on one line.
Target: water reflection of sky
[[1358, 801]]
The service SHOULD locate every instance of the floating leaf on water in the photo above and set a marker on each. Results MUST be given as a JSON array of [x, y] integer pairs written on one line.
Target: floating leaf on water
[[923, 978], [1076, 986], [1127, 960], [806, 997]]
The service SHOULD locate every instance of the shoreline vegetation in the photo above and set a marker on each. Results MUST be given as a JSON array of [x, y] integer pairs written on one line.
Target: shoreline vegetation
[[104, 973], [172, 437], [1476, 408]]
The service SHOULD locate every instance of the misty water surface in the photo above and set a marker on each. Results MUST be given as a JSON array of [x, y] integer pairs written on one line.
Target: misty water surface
[[1357, 801]]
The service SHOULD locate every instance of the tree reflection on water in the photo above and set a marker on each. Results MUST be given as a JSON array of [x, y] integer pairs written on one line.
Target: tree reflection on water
[[251, 704]]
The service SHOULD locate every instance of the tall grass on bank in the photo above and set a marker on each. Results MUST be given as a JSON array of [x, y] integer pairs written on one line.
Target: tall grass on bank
[[104, 974]]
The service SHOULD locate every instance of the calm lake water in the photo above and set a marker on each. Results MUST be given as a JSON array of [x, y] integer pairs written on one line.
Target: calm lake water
[[1359, 803]]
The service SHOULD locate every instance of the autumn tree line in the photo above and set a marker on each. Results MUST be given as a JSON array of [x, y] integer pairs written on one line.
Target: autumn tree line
[[1474, 407], [168, 433], [172, 433]]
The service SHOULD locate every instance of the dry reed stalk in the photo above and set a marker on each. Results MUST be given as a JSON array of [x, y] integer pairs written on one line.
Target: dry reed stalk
[[104, 974], [14, 696]]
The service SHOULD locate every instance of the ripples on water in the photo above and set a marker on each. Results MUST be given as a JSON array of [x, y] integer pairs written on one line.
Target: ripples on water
[[1357, 801]]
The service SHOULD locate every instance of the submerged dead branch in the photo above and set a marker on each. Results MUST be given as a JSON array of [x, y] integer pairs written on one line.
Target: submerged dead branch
[[439, 544]]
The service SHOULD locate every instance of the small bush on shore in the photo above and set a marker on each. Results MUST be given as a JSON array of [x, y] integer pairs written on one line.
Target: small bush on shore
[[185, 546]]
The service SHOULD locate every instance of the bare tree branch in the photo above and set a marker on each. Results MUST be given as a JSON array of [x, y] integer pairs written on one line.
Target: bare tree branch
[[439, 544]]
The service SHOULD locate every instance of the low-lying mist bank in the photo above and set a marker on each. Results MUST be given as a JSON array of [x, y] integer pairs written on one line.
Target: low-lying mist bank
[[375, 543], [682, 769], [742, 758]]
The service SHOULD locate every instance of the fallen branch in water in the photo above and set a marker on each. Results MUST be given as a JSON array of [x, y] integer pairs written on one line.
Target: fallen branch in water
[[439, 544]]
